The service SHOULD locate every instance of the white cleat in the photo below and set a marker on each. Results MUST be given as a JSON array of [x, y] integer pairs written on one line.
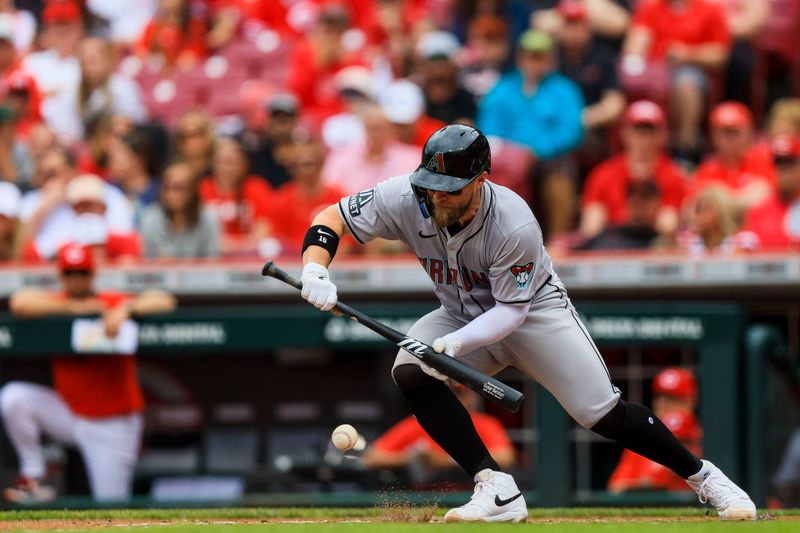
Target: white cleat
[[714, 487], [496, 499]]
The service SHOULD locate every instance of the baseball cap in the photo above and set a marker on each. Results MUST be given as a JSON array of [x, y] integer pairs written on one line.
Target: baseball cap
[[438, 45], [402, 102], [644, 112], [75, 256], [283, 103], [19, 81], [86, 187], [677, 382], [682, 424], [61, 11], [786, 147], [536, 41], [572, 9], [355, 78], [9, 199], [731, 115], [7, 27]]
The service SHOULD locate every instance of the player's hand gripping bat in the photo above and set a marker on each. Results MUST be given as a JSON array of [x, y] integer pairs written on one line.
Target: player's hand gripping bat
[[487, 386]]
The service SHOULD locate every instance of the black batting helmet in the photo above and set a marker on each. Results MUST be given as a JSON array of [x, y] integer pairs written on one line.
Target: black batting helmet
[[451, 158]]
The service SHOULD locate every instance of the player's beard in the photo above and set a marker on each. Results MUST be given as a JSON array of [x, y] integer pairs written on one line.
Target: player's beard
[[444, 217]]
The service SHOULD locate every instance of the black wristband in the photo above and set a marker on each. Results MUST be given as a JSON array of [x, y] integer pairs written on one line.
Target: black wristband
[[321, 236]]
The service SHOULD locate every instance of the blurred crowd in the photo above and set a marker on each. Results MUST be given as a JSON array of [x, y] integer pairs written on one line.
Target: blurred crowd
[[208, 128]]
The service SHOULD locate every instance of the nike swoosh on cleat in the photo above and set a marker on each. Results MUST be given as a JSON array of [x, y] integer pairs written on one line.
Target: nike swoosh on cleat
[[426, 236], [498, 502]]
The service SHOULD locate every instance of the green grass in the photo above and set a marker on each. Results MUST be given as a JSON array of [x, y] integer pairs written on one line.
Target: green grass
[[396, 520]]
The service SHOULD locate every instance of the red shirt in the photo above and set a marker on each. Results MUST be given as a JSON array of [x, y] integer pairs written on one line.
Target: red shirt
[[700, 22], [117, 246], [424, 128], [755, 165], [294, 212], [237, 214], [98, 386], [636, 472], [608, 183], [407, 434], [777, 223]]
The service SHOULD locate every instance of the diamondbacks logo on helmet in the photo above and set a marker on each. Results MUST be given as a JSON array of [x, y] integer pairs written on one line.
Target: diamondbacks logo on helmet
[[522, 274], [436, 163]]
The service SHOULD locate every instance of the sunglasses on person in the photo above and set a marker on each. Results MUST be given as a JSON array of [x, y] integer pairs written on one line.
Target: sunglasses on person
[[785, 161], [82, 273]]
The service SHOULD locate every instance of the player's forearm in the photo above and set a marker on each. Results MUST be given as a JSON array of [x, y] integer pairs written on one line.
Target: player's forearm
[[492, 326], [32, 303], [152, 302], [330, 218]]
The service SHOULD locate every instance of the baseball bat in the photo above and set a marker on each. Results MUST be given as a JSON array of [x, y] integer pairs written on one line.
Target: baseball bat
[[490, 388]]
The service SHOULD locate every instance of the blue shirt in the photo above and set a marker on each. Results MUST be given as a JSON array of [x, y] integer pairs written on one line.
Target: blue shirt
[[548, 121]]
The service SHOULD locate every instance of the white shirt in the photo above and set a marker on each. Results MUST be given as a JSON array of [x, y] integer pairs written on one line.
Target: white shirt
[[126, 18]]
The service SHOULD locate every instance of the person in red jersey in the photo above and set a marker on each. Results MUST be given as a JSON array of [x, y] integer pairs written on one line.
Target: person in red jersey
[[737, 162], [777, 220], [96, 403], [644, 136]]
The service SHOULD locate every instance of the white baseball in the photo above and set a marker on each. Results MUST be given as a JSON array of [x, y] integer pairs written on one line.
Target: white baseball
[[344, 437]]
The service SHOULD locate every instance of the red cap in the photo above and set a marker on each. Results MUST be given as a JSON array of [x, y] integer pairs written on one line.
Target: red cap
[[20, 81], [645, 112], [731, 115], [682, 424], [677, 382], [61, 11], [572, 9], [75, 256], [786, 146]]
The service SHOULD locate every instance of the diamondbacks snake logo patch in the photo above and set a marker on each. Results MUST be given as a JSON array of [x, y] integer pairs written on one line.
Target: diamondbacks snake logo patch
[[522, 274]]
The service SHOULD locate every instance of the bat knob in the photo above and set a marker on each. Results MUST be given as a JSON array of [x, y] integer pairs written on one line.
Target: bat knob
[[268, 268]]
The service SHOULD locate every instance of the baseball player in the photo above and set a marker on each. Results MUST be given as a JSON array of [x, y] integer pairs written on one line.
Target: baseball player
[[96, 404], [502, 305]]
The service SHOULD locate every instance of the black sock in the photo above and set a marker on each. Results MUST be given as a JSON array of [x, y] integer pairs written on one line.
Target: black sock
[[440, 413], [636, 428]]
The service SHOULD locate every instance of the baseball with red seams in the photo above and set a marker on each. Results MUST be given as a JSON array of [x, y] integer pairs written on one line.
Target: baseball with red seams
[[344, 437]]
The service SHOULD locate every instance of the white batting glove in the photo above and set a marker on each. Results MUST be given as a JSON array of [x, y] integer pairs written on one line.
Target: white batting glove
[[317, 288], [450, 345]]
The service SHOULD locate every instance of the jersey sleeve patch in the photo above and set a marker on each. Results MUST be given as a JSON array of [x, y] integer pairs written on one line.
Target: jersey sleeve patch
[[522, 274], [358, 201]]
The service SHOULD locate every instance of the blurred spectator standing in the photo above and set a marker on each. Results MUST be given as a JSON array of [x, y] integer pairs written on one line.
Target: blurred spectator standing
[[315, 61], [87, 197], [9, 221], [537, 107], [16, 165], [193, 141], [176, 35], [131, 168], [178, 225], [265, 142], [356, 88], [47, 214], [445, 98], [95, 403], [593, 68], [99, 93], [485, 54], [638, 232], [737, 162], [674, 402], [241, 201], [56, 68], [715, 219], [403, 103], [299, 201], [746, 19], [23, 24], [644, 139], [359, 167], [777, 221], [678, 45], [608, 19]]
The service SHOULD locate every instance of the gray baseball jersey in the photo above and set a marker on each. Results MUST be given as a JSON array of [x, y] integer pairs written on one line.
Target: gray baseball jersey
[[498, 257]]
